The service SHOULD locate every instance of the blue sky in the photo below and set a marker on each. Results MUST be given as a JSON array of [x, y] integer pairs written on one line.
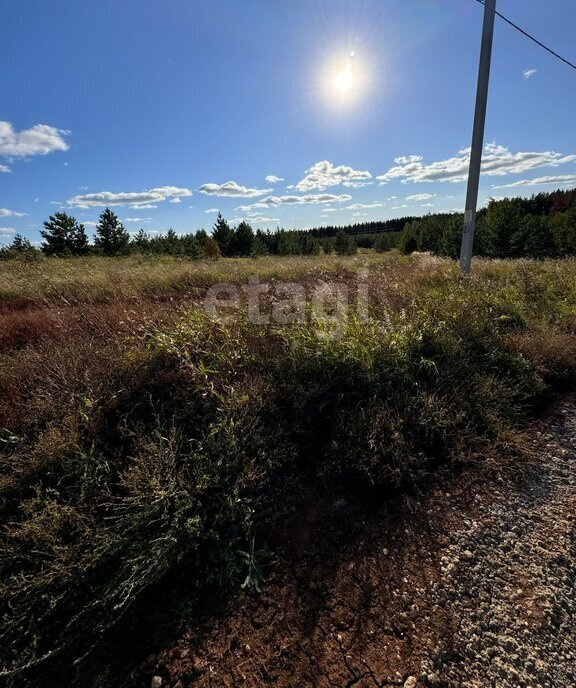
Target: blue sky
[[293, 113]]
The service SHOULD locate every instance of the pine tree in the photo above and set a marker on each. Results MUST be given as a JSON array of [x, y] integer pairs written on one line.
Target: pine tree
[[243, 240], [63, 236], [80, 244], [201, 237], [224, 236], [211, 249], [171, 242], [141, 241], [259, 248], [20, 244], [111, 237], [344, 244]]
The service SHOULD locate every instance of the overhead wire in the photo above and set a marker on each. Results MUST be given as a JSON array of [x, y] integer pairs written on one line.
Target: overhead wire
[[532, 38]]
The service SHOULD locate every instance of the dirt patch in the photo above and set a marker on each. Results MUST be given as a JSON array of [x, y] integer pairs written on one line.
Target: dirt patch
[[424, 590]]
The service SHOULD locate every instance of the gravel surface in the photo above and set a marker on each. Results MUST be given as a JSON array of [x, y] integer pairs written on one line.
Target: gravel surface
[[469, 585], [509, 576]]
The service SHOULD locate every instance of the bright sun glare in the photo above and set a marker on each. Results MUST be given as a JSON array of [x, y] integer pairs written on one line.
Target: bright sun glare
[[344, 79]]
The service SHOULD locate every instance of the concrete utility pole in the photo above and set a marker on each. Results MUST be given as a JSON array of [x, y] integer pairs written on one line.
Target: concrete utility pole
[[477, 138]]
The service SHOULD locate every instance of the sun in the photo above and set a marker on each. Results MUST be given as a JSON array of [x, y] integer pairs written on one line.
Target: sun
[[344, 80]]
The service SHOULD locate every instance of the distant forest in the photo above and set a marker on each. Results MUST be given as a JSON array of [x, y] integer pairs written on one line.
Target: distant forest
[[542, 226]]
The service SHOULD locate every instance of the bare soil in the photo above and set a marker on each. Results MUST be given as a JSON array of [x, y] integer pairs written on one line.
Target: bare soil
[[468, 583]]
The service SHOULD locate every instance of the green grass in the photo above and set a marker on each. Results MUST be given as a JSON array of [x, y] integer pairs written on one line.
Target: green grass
[[144, 456]]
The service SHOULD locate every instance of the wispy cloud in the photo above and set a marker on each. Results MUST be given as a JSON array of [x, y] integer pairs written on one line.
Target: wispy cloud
[[254, 219], [420, 197], [273, 201], [528, 73], [137, 219], [7, 230], [324, 174], [360, 206], [230, 189], [5, 169], [40, 139], [497, 161], [212, 210], [273, 179], [136, 199], [561, 180], [5, 212]]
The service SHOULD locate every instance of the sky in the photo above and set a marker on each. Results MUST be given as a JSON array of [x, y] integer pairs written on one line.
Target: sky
[[292, 113]]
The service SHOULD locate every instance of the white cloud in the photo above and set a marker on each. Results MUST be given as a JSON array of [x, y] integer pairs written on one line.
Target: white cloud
[[528, 73], [329, 210], [92, 224], [230, 189], [407, 159], [137, 199], [175, 200], [359, 206], [420, 197], [359, 214], [561, 179], [323, 174], [212, 210], [5, 212], [137, 219], [273, 179], [7, 230], [40, 139], [273, 201], [4, 168], [427, 205], [254, 220], [144, 206], [497, 161], [398, 207]]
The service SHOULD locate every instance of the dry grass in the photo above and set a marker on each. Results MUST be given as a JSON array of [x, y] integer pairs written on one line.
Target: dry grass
[[99, 278], [137, 437]]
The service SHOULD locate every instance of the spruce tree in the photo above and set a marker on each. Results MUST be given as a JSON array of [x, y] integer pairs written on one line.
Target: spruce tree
[[111, 237], [224, 236], [63, 236], [141, 241], [243, 239]]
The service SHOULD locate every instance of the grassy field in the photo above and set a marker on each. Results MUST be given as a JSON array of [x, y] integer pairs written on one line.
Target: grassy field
[[99, 278], [139, 436]]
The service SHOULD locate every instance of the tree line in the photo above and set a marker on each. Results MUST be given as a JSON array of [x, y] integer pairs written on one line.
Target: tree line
[[64, 236], [542, 226]]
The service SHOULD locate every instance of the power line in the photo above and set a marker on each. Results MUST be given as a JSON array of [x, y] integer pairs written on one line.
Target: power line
[[535, 40]]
